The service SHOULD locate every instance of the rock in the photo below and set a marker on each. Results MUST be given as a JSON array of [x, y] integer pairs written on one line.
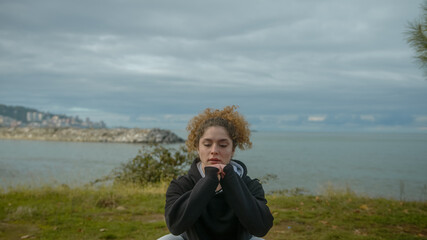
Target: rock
[[121, 208], [117, 135]]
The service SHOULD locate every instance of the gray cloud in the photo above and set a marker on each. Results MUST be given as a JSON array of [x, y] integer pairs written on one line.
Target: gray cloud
[[137, 63]]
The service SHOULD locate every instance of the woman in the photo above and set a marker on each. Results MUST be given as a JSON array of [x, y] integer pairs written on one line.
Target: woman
[[216, 199]]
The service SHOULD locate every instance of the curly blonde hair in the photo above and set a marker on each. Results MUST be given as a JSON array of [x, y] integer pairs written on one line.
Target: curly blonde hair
[[235, 124]]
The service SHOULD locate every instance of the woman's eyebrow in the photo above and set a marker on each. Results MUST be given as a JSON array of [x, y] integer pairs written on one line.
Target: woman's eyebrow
[[220, 140]]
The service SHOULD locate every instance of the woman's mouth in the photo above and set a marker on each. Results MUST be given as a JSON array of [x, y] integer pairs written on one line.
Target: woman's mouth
[[214, 161]]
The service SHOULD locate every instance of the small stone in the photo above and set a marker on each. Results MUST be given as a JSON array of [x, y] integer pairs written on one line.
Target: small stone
[[121, 208], [364, 207]]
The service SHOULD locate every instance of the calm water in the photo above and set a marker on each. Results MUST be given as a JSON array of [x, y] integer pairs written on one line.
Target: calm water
[[387, 165]]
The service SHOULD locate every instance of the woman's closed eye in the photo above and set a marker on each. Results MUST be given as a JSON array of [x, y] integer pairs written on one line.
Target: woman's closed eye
[[223, 145]]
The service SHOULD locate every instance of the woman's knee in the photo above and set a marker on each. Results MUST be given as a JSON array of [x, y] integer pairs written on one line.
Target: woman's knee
[[256, 238], [171, 237]]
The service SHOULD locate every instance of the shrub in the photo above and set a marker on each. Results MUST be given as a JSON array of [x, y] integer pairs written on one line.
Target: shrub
[[154, 163]]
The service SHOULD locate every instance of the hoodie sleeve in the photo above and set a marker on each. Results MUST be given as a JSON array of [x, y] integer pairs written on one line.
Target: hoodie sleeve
[[184, 206], [248, 202]]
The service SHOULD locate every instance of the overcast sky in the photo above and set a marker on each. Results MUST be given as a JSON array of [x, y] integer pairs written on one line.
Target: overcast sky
[[290, 65]]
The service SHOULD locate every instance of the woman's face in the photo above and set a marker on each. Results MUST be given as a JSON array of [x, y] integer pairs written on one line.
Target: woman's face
[[215, 147]]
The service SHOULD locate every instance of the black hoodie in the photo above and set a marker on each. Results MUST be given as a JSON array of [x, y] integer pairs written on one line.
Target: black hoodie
[[194, 209]]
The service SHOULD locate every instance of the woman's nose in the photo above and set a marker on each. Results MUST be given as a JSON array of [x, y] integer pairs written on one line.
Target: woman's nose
[[214, 149]]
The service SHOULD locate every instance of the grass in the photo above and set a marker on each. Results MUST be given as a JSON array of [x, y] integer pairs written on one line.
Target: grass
[[132, 212]]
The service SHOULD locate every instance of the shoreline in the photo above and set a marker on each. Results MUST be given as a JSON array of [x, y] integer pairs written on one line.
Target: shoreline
[[113, 135]]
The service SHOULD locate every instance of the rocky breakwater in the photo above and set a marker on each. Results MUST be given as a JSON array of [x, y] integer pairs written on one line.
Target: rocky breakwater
[[116, 135]]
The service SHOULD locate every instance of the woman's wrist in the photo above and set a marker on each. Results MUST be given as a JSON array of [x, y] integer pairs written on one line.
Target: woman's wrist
[[228, 169], [211, 172]]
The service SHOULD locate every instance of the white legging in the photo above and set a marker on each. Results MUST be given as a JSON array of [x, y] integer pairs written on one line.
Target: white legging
[[173, 237]]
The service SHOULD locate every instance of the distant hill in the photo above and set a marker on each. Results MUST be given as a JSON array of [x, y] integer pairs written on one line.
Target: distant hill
[[18, 113], [19, 116]]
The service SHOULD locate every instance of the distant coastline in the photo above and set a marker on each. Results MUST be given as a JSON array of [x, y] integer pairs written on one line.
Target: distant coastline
[[19, 116], [113, 135]]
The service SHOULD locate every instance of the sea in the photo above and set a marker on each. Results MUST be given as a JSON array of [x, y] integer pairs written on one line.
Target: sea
[[388, 165]]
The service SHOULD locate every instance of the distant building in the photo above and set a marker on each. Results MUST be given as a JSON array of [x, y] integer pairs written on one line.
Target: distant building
[[17, 116]]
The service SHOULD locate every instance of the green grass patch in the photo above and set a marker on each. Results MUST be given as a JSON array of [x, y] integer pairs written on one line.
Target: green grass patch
[[135, 212]]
